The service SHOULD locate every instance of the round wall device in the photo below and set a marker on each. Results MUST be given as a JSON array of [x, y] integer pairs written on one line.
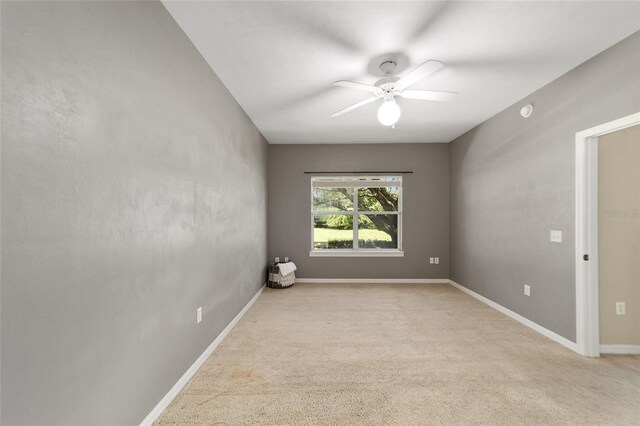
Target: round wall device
[[526, 111]]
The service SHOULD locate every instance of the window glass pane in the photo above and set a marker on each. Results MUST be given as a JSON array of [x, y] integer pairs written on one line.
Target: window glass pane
[[378, 199], [333, 199], [379, 231], [333, 231]]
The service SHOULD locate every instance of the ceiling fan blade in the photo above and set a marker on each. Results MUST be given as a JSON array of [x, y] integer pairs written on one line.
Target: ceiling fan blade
[[417, 74], [354, 106], [359, 86], [428, 95]]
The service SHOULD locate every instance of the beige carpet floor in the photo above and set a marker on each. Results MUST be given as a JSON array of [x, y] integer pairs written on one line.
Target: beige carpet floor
[[356, 354]]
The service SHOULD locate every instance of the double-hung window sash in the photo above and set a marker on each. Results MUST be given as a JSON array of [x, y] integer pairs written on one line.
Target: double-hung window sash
[[356, 214]]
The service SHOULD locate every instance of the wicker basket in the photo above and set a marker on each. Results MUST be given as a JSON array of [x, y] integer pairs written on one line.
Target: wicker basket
[[276, 280]]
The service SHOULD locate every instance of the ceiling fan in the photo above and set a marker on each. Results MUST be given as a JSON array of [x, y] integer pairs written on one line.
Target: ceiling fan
[[390, 86]]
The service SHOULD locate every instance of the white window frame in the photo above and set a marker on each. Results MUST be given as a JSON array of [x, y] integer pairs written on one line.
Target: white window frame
[[357, 251]]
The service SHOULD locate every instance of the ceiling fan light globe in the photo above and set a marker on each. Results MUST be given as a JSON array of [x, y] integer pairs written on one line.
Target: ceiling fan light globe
[[389, 113]]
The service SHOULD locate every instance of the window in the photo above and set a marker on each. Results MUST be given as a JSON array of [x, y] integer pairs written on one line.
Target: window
[[356, 216]]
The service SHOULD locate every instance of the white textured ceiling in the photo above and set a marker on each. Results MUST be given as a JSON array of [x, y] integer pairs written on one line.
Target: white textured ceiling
[[279, 59]]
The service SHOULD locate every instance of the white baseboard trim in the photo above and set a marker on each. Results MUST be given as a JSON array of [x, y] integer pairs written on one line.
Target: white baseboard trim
[[175, 390], [522, 320], [620, 349], [374, 280]]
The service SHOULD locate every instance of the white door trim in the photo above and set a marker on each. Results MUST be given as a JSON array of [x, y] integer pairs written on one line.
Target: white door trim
[[587, 324]]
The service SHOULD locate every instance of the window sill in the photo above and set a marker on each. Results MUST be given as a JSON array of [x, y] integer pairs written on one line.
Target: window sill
[[356, 253]]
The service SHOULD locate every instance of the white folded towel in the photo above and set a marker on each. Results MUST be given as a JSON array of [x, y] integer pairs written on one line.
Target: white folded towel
[[286, 268]]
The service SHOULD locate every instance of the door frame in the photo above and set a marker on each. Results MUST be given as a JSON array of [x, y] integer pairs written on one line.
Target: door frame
[[587, 297]]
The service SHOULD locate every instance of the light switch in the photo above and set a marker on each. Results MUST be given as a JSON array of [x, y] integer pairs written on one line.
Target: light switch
[[556, 236], [621, 308]]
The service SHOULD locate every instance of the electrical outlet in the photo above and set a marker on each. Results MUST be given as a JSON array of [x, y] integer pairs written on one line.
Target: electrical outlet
[[527, 290], [555, 236], [621, 308], [198, 315], [437, 260], [431, 260]]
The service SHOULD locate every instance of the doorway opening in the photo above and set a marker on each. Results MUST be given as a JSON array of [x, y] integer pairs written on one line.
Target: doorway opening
[[587, 243]]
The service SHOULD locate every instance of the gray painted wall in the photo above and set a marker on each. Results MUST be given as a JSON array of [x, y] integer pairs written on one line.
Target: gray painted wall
[[133, 191], [512, 181], [425, 203]]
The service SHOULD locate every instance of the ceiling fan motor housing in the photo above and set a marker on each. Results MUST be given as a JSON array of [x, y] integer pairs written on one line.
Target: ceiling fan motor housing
[[387, 83], [387, 86]]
